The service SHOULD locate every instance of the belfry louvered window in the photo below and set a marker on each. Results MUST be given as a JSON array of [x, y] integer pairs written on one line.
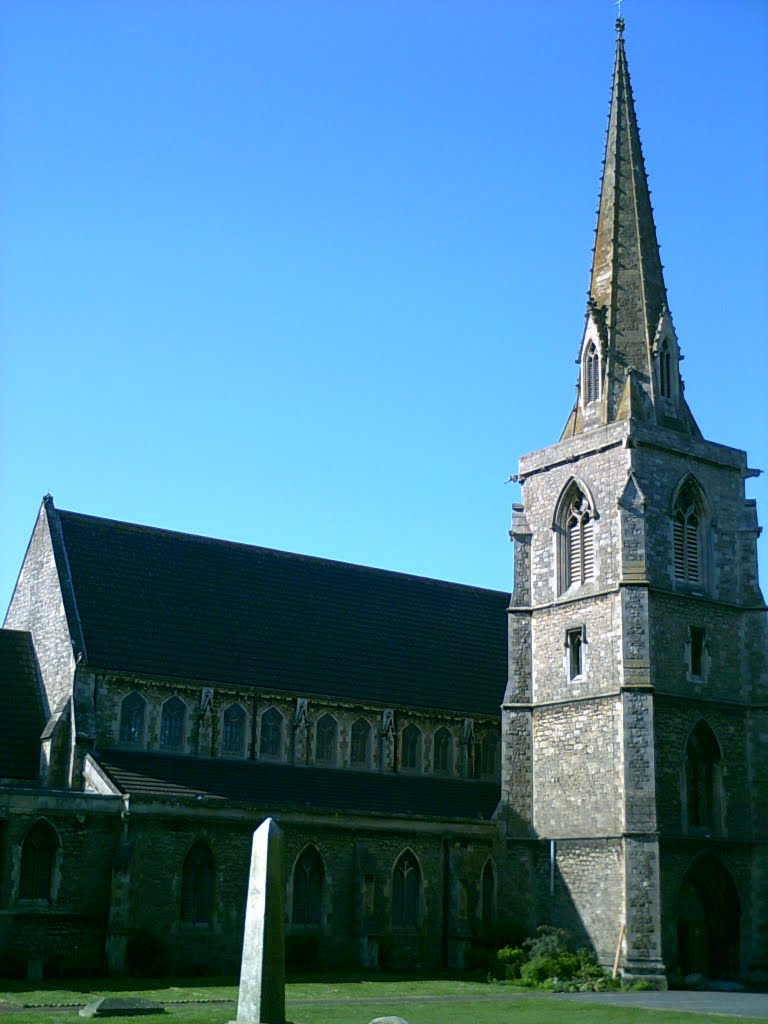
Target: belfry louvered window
[[592, 374], [580, 562], [686, 538]]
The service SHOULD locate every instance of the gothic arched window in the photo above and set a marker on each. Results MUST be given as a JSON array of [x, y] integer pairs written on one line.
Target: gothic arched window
[[327, 732], [172, 722], [406, 891], [489, 756], [703, 779], [233, 730], [308, 876], [197, 885], [360, 752], [411, 745], [574, 526], [132, 714], [688, 521], [488, 893], [592, 373], [271, 736], [665, 370], [38, 855], [443, 753]]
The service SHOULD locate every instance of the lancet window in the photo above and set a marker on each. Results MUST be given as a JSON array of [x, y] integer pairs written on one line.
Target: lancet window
[[327, 736], [132, 714], [406, 891], [488, 893], [489, 756], [443, 751], [411, 746], [360, 752], [197, 877], [665, 370], [233, 730], [592, 373], [271, 736], [703, 779], [38, 855], [172, 723], [687, 534], [574, 526], [308, 877]]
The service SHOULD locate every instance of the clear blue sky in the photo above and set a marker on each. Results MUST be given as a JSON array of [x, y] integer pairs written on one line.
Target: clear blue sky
[[311, 274]]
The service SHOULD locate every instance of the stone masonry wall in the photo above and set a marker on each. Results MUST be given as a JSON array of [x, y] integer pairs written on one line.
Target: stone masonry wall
[[37, 606], [578, 769]]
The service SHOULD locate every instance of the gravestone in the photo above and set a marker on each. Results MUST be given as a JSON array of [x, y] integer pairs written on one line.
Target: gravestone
[[262, 973], [117, 1006]]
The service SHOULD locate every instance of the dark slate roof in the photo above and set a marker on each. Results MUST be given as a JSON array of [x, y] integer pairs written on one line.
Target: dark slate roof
[[274, 787], [23, 718], [158, 603]]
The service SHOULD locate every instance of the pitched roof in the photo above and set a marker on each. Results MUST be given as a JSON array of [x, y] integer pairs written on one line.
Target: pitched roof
[[153, 602], [23, 718], [274, 787]]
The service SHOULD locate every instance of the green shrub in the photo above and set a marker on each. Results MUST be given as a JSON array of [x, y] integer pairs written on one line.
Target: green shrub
[[509, 961], [546, 961]]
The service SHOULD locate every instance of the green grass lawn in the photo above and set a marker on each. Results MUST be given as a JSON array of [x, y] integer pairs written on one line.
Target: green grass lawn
[[381, 997]]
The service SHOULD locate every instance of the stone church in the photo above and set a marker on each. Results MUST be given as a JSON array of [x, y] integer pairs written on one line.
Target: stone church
[[449, 766]]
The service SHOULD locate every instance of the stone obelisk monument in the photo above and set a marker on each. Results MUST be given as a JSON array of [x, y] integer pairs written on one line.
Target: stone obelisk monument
[[262, 973]]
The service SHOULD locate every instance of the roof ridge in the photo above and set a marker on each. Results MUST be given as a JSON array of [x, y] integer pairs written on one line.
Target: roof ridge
[[299, 556]]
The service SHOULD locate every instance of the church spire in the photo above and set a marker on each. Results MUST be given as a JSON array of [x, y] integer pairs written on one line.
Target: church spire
[[628, 322]]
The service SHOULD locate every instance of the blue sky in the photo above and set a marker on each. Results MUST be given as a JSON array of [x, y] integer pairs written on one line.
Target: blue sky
[[311, 274]]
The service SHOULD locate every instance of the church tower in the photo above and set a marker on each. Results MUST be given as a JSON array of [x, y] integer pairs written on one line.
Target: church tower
[[636, 712]]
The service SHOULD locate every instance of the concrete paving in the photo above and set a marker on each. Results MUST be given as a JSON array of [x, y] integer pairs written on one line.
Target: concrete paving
[[733, 1004]]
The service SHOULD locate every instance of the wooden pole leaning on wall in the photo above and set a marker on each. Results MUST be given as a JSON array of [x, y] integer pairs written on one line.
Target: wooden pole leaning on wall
[[618, 951]]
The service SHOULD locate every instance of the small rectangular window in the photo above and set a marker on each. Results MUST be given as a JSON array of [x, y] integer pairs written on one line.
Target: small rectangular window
[[574, 645], [698, 638]]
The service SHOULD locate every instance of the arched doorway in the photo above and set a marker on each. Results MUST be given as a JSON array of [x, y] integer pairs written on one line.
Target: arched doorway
[[708, 921]]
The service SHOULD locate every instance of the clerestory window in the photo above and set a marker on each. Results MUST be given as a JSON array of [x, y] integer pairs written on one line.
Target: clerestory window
[[271, 736], [172, 723], [132, 714], [360, 752], [233, 730], [489, 755], [443, 752], [411, 747], [327, 736]]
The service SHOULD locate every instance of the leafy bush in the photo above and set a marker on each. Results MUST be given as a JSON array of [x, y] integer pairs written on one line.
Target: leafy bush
[[509, 962], [546, 961]]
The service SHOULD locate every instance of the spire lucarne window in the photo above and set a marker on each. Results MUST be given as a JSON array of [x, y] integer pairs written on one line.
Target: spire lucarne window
[[592, 374], [665, 370]]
